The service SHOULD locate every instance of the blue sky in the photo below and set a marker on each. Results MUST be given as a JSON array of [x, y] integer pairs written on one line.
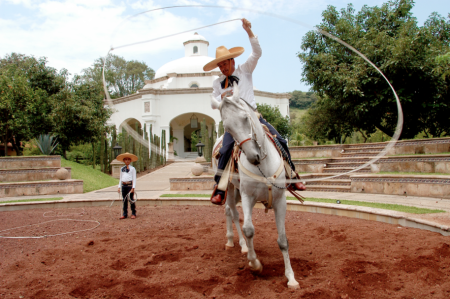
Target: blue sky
[[73, 33]]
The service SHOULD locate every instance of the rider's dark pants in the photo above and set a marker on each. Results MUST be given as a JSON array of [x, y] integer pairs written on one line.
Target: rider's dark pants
[[227, 149], [125, 190], [280, 139]]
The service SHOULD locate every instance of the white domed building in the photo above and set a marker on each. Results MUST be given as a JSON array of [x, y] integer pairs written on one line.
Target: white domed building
[[180, 92]]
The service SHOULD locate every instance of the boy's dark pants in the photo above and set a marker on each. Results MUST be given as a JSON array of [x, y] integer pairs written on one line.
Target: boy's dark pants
[[125, 190]]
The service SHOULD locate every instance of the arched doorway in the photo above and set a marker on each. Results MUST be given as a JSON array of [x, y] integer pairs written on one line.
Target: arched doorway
[[191, 136], [182, 131], [132, 122]]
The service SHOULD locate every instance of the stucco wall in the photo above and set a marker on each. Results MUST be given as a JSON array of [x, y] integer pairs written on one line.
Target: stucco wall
[[171, 104]]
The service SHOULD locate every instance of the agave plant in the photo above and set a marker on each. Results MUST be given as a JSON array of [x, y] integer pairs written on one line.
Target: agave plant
[[46, 143]]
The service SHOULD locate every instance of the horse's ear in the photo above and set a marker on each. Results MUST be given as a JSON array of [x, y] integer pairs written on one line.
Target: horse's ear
[[236, 92], [215, 104]]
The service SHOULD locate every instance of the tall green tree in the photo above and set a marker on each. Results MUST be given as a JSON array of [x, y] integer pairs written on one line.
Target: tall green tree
[[322, 122], [443, 67], [28, 90], [79, 114], [273, 116], [302, 100], [405, 52], [17, 101], [122, 77]]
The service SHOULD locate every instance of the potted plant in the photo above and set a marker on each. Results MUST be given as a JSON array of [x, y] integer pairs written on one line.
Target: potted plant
[[170, 144]]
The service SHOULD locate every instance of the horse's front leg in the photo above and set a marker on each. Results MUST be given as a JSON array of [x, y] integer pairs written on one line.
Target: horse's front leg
[[228, 214], [279, 208], [235, 216], [249, 232]]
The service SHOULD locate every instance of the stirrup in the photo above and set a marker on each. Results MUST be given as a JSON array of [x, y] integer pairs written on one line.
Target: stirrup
[[224, 199]]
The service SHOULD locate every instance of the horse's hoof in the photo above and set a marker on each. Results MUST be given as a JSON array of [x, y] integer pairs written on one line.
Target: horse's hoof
[[229, 246], [257, 269], [293, 285], [244, 250]]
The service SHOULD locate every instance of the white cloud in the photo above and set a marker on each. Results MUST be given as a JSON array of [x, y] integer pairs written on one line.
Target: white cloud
[[73, 33]]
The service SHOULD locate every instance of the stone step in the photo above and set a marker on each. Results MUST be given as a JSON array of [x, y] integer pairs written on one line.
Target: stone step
[[28, 162], [325, 175], [359, 155], [191, 155], [41, 188], [344, 164], [30, 174], [373, 153], [346, 169], [365, 149], [331, 182], [349, 159], [328, 188]]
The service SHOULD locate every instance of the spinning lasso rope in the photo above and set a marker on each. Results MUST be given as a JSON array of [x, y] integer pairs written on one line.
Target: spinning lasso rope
[[144, 142], [45, 236], [127, 197]]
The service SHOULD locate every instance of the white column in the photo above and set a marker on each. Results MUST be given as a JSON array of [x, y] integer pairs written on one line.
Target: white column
[[148, 123], [178, 145]]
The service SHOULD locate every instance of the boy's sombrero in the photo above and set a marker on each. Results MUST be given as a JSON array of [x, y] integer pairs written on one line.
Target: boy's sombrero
[[222, 54], [127, 155]]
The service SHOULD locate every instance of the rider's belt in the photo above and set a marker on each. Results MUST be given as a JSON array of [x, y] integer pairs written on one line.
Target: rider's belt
[[127, 183]]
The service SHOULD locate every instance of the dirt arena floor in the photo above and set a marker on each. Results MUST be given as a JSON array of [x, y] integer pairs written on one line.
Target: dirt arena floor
[[179, 252]]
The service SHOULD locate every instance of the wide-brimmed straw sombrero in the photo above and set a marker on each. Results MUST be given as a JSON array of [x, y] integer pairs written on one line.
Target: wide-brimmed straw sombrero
[[127, 155], [222, 54]]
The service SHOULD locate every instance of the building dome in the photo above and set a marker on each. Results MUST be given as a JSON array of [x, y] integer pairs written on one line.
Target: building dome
[[195, 58], [196, 37], [185, 65]]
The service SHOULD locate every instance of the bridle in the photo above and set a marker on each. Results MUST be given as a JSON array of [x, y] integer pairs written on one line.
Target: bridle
[[267, 180], [252, 135]]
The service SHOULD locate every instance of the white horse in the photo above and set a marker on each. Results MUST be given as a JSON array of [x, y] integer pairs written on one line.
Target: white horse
[[257, 152]]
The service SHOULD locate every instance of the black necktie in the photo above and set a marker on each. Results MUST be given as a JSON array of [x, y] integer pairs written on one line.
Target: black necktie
[[231, 80]]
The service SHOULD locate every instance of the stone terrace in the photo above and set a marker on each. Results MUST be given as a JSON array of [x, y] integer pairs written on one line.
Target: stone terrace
[[420, 156], [34, 175]]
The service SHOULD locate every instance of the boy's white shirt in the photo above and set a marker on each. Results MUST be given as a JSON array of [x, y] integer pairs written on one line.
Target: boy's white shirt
[[128, 176]]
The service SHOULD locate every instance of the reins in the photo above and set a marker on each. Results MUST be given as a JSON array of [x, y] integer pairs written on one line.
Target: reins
[[252, 134], [264, 180]]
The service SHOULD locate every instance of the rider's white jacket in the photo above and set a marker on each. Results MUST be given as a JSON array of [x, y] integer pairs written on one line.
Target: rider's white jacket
[[244, 73]]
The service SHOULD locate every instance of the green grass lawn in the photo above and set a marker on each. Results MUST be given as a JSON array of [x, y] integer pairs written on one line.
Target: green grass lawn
[[30, 200], [392, 207], [385, 206], [93, 179]]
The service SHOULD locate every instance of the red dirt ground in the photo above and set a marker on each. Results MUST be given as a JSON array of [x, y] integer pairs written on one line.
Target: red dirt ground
[[178, 252]]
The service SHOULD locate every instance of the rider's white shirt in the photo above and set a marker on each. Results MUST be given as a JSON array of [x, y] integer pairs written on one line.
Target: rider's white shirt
[[244, 73]]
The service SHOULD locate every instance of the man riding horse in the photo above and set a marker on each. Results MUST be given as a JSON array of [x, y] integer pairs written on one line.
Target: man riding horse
[[222, 87]]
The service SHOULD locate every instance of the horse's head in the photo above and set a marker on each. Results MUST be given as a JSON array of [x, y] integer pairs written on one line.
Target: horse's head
[[242, 123]]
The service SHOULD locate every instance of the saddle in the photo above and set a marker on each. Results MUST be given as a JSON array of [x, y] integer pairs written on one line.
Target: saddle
[[234, 167], [276, 144]]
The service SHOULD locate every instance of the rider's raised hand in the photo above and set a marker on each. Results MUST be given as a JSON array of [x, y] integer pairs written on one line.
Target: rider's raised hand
[[247, 27]]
